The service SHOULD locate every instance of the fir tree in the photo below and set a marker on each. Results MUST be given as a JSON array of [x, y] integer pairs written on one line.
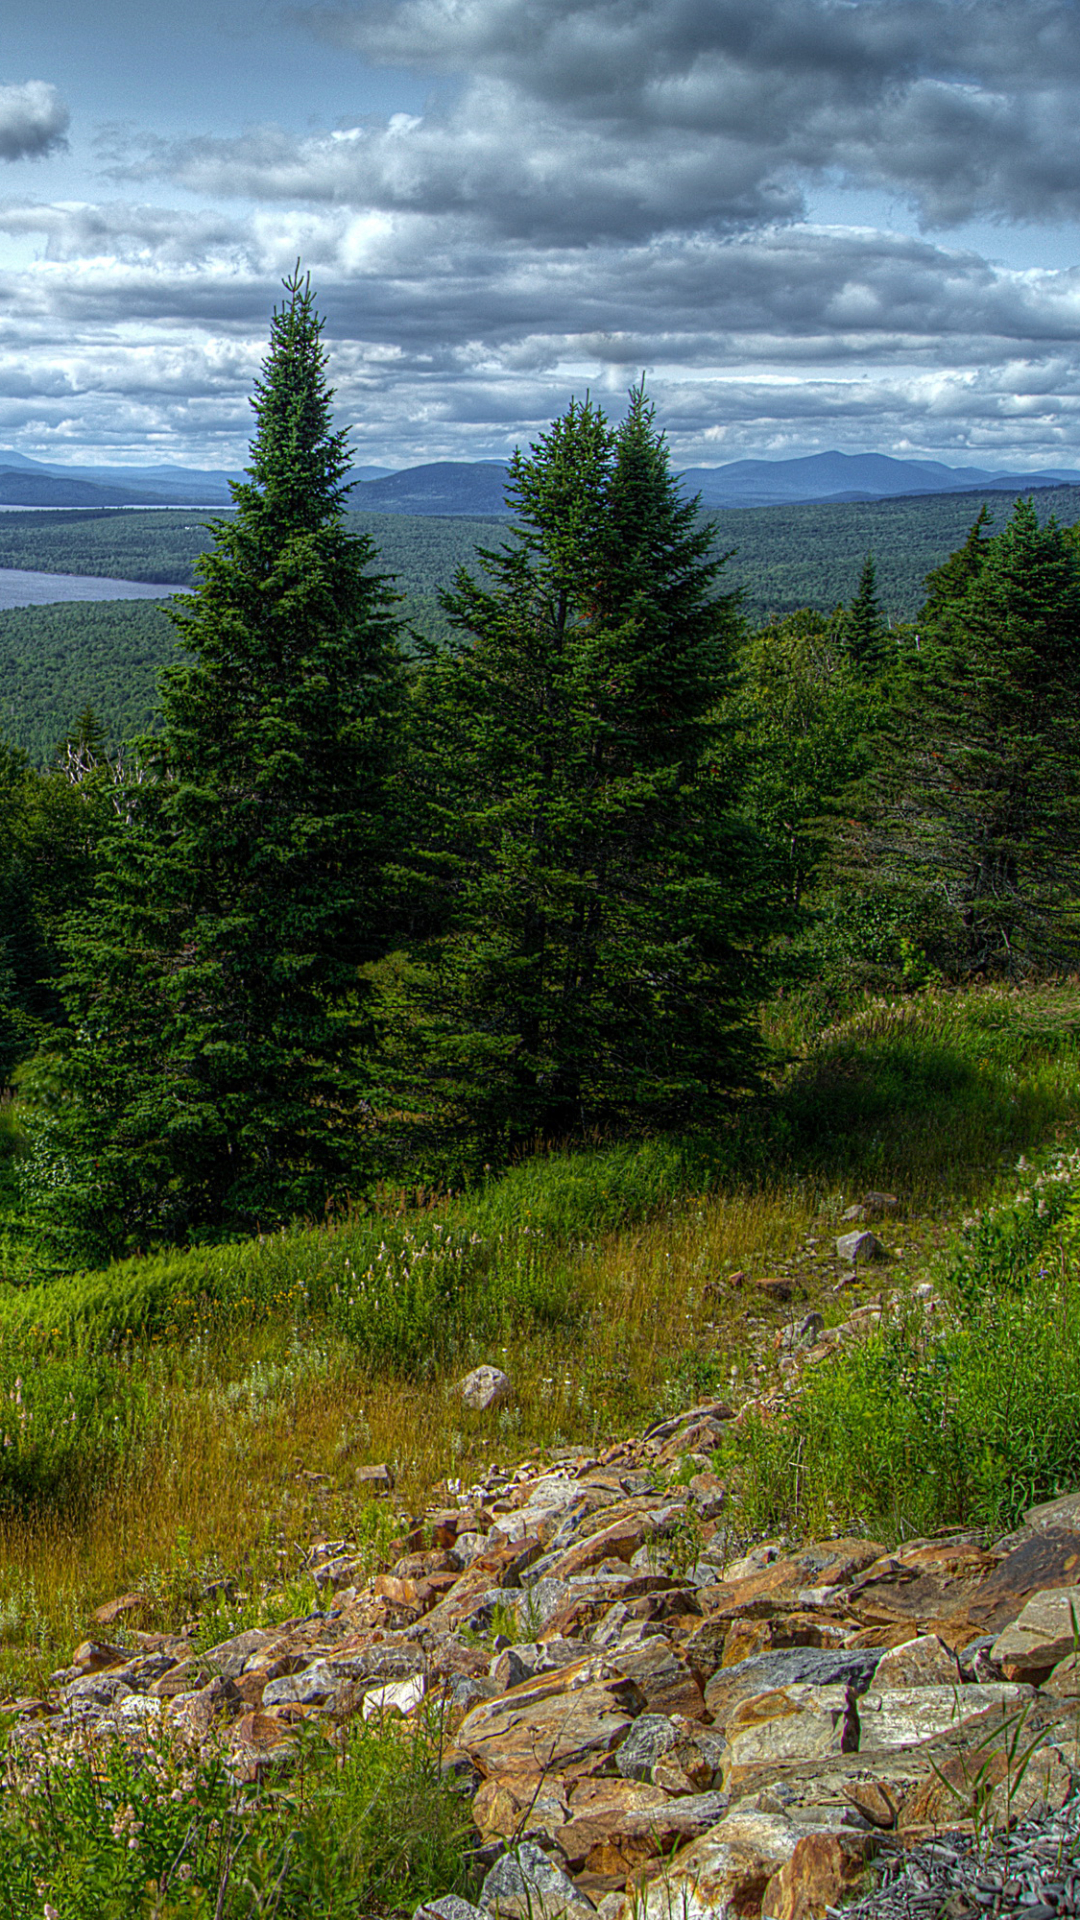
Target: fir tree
[[598, 964], [214, 987], [864, 628], [977, 807]]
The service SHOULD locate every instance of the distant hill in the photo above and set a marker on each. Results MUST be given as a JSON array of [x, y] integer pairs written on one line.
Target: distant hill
[[456, 487], [473, 489], [851, 477]]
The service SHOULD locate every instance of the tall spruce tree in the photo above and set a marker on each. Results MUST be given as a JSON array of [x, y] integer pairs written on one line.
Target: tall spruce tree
[[214, 991], [864, 628], [976, 807], [604, 914]]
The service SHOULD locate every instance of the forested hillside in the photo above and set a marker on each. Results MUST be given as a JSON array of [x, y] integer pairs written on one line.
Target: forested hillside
[[55, 659]]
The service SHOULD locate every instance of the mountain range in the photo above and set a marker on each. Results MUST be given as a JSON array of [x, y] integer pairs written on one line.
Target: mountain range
[[475, 489]]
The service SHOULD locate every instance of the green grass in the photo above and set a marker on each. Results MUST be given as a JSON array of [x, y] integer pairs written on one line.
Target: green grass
[[136, 1399]]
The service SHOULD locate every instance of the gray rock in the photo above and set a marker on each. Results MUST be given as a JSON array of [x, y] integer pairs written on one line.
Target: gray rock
[[859, 1246], [312, 1688], [485, 1387], [231, 1656], [651, 1736], [790, 1666], [449, 1907], [526, 1885]]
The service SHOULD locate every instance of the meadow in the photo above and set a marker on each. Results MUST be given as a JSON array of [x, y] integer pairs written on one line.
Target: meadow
[[188, 1415]]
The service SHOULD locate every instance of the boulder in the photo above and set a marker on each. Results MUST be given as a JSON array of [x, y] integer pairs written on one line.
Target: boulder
[[824, 1869], [905, 1716], [862, 1246], [1045, 1632], [484, 1388], [721, 1876], [527, 1885]]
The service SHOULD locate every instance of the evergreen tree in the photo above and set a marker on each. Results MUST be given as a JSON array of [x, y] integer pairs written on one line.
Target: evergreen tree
[[977, 807], [214, 986], [603, 913], [864, 628]]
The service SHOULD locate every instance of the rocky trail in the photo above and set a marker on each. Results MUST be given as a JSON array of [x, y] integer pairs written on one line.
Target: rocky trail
[[649, 1718]]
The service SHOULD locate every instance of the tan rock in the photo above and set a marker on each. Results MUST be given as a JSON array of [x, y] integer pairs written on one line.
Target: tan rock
[[1064, 1681], [564, 1720], [1046, 1632], [612, 1839], [667, 1682], [995, 1786], [788, 1724], [97, 1656], [722, 1876], [822, 1871], [509, 1804], [922, 1662], [127, 1606]]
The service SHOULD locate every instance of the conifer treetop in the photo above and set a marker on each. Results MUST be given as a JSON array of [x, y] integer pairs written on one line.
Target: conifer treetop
[[298, 462]]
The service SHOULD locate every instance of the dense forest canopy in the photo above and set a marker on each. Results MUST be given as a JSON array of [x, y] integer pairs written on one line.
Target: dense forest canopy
[[56, 658]]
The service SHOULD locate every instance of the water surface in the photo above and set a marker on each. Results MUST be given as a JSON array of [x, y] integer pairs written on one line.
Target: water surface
[[20, 588]]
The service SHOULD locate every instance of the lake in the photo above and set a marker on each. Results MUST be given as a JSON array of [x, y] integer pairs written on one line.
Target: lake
[[19, 588]]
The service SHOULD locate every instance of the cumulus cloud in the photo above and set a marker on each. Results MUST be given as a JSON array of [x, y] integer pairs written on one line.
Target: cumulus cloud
[[33, 121], [719, 110]]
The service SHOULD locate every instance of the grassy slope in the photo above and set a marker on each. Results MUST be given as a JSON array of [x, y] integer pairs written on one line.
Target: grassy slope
[[171, 1414]]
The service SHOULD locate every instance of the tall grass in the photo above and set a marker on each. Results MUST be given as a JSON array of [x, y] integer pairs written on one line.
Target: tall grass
[[227, 1396]]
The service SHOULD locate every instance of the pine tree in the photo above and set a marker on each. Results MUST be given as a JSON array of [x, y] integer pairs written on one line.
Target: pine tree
[[598, 963], [977, 808], [864, 628], [214, 986]]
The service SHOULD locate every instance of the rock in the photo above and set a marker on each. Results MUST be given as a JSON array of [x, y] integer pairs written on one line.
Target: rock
[[667, 1683], [484, 1388], [401, 1696], [775, 1288], [720, 1876], [822, 1870], [94, 1656], [1046, 1632], [1053, 1516], [859, 1246], [810, 1330], [526, 1885], [127, 1606], [999, 1785], [449, 1907], [904, 1716], [789, 1723], [788, 1667], [378, 1479], [314, 1686], [923, 1662], [562, 1721], [230, 1657], [618, 1826], [651, 1736]]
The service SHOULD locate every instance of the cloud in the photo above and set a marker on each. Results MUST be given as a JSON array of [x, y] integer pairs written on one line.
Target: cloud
[[140, 330], [720, 111], [33, 121]]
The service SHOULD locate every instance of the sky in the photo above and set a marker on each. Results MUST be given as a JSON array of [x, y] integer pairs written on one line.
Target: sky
[[810, 223]]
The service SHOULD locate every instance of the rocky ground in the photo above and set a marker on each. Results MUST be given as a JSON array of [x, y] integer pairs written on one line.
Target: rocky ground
[[653, 1719]]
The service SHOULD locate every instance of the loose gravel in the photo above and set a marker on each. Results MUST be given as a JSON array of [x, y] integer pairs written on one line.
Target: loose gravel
[[1032, 1873]]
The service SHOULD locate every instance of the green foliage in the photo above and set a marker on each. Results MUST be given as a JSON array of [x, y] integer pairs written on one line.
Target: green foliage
[[973, 809], [358, 1824], [572, 800], [806, 716], [864, 630], [963, 1420], [213, 988]]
